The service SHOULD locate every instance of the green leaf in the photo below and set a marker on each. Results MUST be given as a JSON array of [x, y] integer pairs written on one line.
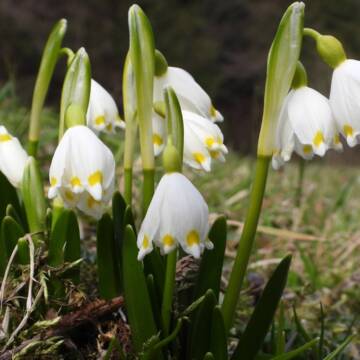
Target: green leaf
[[8, 196], [296, 352], [33, 196], [47, 65], [118, 212], [137, 299], [200, 330], [218, 339], [154, 298], [322, 332], [23, 255], [108, 271], [11, 232], [209, 356], [72, 251], [58, 238], [12, 212], [253, 337], [340, 348], [212, 261]]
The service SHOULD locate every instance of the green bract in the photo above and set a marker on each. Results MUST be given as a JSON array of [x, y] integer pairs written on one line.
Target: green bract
[[76, 87], [281, 65]]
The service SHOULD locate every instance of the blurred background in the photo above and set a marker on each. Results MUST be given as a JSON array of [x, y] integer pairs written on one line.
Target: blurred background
[[223, 44]]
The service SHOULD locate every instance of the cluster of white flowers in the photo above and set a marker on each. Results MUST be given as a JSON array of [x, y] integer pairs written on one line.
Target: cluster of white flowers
[[309, 123], [203, 139]]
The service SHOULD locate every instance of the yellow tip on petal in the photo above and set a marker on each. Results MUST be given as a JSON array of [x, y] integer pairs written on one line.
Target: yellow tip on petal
[[75, 181], [318, 139], [212, 111], [210, 141], [192, 238], [109, 127], [53, 181], [157, 139], [95, 178], [5, 137], [168, 240], [199, 157], [145, 243], [100, 120], [307, 149], [348, 130]]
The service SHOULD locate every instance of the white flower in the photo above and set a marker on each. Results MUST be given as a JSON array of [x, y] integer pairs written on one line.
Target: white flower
[[191, 95], [12, 157], [159, 133], [82, 171], [203, 141], [102, 113], [306, 126], [177, 215], [344, 99]]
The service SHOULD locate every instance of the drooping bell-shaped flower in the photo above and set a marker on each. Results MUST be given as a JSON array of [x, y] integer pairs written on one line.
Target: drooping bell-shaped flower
[[344, 99], [12, 157], [306, 126], [203, 141], [191, 95], [82, 171], [102, 113], [177, 215]]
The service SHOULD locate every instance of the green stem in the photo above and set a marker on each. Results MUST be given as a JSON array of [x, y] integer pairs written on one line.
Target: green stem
[[311, 33], [128, 185], [148, 188], [69, 54], [246, 241], [168, 291]]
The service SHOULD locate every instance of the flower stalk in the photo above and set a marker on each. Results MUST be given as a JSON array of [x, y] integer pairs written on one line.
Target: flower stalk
[[283, 54], [48, 62]]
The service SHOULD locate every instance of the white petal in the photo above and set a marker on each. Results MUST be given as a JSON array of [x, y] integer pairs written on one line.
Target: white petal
[[159, 133], [102, 113], [311, 119], [344, 95], [13, 157], [190, 94]]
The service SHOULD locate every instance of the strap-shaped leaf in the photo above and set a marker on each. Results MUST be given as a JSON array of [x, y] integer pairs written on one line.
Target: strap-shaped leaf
[[58, 238], [11, 232], [8, 196], [263, 315], [200, 331], [108, 271], [212, 261], [118, 212], [340, 348], [209, 356], [72, 250], [218, 340], [136, 294], [291, 354]]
